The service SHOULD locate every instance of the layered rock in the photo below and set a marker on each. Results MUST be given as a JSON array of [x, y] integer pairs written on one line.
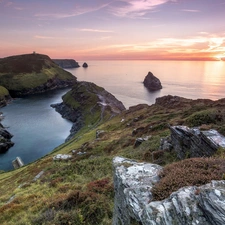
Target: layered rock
[[191, 142], [152, 83], [204, 205], [88, 103], [5, 140], [66, 63], [32, 73]]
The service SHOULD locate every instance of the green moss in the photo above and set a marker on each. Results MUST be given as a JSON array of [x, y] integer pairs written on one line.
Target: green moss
[[3, 92]]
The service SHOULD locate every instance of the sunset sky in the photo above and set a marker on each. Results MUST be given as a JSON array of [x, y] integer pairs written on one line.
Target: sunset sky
[[114, 29]]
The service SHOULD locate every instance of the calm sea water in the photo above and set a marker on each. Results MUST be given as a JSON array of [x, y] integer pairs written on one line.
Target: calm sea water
[[38, 129], [124, 79]]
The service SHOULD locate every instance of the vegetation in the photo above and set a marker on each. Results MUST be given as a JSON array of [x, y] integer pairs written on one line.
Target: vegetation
[[80, 190], [3, 92], [30, 71], [189, 172]]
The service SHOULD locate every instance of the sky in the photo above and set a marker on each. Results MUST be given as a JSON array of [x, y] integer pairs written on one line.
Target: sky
[[114, 29]]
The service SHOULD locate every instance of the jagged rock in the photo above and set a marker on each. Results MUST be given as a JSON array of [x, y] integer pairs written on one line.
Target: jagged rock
[[5, 140], [132, 182], [166, 143], [204, 205], [100, 133], [138, 141], [191, 142], [66, 63], [152, 83], [85, 65]]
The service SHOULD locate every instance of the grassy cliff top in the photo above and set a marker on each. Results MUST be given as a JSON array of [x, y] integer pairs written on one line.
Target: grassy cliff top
[[29, 71], [80, 190]]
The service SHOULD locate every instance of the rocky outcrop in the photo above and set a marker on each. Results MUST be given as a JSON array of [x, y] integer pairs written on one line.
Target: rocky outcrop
[[85, 65], [87, 102], [191, 142], [204, 205], [5, 140], [4, 96], [132, 183], [32, 73], [66, 63], [152, 83]]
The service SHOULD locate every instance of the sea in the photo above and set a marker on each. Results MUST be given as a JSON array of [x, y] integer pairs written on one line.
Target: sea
[[38, 128]]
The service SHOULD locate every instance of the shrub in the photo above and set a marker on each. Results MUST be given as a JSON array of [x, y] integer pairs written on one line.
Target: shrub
[[189, 172], [204, 117]]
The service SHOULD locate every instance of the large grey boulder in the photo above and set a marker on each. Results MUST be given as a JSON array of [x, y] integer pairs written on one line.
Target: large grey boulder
[[191, 142], [152, 83], [204, 205], [132, 182]]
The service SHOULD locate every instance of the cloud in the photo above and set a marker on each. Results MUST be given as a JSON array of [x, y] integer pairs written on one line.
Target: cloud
[[96, 30], [135, 8], [77, 12], [43, 37], [191, 10]]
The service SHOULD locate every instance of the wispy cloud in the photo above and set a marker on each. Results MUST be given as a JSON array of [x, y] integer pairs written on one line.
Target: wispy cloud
[[43, 37], [76, 12], [96, 30], [191, 10], [135, 8]]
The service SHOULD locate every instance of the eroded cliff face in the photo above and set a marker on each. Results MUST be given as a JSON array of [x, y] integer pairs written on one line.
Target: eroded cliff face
[[88, 104], [204, 205]]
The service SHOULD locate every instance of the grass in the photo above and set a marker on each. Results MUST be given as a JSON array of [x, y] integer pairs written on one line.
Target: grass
[[17, 74], [80, 190]]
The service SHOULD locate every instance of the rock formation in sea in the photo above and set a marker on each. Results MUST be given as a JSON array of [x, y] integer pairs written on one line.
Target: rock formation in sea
[[85, 65], [32, 73], [88, 103], [66, 63], [152, 83], [133, 182]]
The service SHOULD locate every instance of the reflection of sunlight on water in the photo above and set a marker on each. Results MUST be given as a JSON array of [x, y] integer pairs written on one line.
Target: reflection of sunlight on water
[[214, 73], [214, 79]]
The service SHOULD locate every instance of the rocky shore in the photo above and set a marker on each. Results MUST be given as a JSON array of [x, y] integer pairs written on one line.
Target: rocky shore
[[5, 138]]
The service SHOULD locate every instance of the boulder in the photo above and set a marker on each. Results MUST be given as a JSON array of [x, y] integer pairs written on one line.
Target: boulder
[[132, 182], [204, 205], [152, 83], [191, 142]]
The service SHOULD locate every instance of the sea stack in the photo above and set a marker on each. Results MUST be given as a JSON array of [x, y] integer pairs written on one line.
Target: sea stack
[[152, 83], [85, 65]]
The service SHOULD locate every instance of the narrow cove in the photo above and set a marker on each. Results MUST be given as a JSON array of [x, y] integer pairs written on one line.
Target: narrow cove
[[36, 127]]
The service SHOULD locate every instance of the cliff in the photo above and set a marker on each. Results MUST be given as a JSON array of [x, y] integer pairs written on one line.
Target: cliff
[[66, 63], [32, 73], [78, 189], [89, 104]]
